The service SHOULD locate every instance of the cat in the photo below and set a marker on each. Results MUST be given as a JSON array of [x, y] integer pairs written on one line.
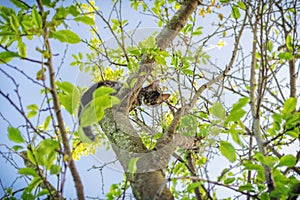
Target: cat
[[150, 95]]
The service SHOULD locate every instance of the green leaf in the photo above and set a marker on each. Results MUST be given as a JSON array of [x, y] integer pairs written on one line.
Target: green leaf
[[22, 49], [105, 102], [160, 60], [228, 150], [270, 161], [229, 180], [235, 13], [225, 1], [14, 22], [189, 125], [241, 5], [286, 56], [19, 4], [46, 152], [289, 43], [192, 186], [66, 36], [188, 72], [288, 161], [250, 166], [37, 19], [91, 114], [47, 146], [237, 112], [66, 102], [14, 135], [132, 165], [293, 133], [54, 169], [270, 45], [70, 96], [83, 137], [217, 110], [277, 118], [17, 147], [236, 137], [46, 122], [74, 11], [7, 56], [43, 192], [246, 187], [86, 20], [30, 155], [289, 105], [33, 108], [34, 183], [28, 171], [101, 91]]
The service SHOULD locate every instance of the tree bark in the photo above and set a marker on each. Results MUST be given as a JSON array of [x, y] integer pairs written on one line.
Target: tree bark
[[147, 178]]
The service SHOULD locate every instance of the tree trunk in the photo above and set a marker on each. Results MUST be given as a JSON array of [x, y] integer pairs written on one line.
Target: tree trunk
[[145, 175]]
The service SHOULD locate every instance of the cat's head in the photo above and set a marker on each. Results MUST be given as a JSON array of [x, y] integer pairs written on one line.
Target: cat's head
[[153, 95]]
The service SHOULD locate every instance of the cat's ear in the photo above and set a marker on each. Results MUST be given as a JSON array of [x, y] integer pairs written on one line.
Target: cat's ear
[[163, 98], [154, 85]]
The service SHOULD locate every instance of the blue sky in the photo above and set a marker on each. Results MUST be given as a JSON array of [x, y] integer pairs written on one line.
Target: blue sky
[[31, 94]]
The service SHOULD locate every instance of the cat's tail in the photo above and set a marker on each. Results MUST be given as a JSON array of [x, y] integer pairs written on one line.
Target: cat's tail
[[86, 98]]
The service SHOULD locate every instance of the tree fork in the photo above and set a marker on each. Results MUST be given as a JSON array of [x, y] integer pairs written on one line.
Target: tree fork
[[151, 184]]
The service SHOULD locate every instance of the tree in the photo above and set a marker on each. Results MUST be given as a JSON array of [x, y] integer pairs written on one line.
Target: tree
[[166, 152]]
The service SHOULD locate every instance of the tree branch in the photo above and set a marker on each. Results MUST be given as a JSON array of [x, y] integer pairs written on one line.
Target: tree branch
[[60, 121]]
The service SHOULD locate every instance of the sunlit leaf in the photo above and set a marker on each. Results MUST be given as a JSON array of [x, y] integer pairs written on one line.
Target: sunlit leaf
[[289, 43], [55, 169], [270, 45], [103, 90], [83, 137], [246, 187], [228, 150], [69, 97], [229, 180], [66, 36], [86, 20], [22, 49], [34, 183], [237, 112], [19, 4], [14, 22], [235, 13], [91, 114], [288, 161], [37, 19], [14, 135], [241, 5], [132, 165], [192, 186], [7, 56], [289, 105], [217, 110], [28, 171], [286, 56]]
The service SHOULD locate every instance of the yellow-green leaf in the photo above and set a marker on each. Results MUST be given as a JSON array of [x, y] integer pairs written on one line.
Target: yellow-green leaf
[[228, 150], [14, 135], [132, 165], [287, 160], [235, 13], [85, 19], [217, 110], [37, 19], [66, 36], [6, 56]]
